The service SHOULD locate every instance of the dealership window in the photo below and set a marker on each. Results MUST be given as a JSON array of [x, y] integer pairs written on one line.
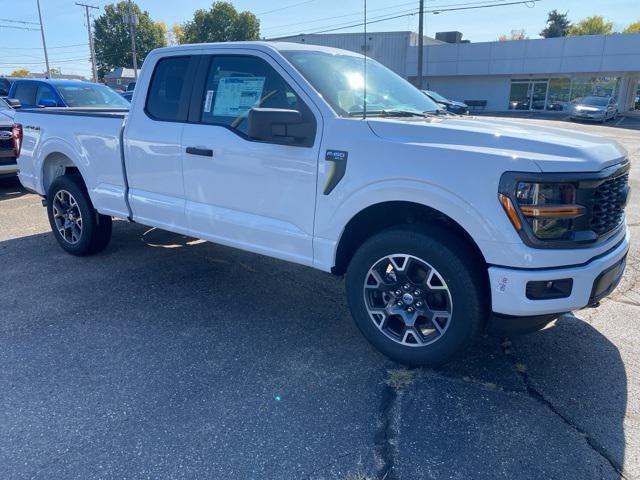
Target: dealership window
[[559, 93]]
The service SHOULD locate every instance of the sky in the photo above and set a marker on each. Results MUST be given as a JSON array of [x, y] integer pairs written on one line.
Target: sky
[[67, 40]]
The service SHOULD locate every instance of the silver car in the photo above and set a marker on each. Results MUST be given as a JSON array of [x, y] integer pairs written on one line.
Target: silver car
[[595, 108]]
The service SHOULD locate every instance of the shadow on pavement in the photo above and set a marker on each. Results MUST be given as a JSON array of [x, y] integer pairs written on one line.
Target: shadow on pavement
[[169, 357], [10, 187]]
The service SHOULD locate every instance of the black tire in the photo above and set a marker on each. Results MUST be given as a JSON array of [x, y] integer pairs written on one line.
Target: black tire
[[95, 233], [463, 275]]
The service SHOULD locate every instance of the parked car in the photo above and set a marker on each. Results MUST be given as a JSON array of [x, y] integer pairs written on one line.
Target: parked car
[[131, 86], [10, 140], [596, 108], [5, 85], [451, 105], [443, 225], [128, 95], [34, 93], [6, 110]]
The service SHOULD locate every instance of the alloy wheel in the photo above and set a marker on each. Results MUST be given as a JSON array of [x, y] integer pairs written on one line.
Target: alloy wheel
[[408, 300], [67, 217]]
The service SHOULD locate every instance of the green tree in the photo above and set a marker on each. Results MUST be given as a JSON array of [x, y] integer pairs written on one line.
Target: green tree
[[113, 41], [633, 28], [594, 25], [20, 72], [558, 25], [514, 35], [222, 23]]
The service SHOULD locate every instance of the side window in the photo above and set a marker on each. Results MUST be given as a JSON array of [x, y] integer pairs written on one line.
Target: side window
[[166, 96], [45, 93], [26, 93], [235, 84]]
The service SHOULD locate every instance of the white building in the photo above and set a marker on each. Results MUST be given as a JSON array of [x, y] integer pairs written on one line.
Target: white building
[[541, 74]]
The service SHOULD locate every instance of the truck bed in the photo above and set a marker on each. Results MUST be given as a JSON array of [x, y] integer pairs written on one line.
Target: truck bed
[[89, 138]]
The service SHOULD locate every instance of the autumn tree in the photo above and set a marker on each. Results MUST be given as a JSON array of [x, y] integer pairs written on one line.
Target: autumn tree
[[594, 25]]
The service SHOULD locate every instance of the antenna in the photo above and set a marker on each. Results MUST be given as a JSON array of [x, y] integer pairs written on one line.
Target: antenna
[[364, 104]]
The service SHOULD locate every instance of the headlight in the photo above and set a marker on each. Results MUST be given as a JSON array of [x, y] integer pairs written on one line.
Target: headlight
[[548, 208]]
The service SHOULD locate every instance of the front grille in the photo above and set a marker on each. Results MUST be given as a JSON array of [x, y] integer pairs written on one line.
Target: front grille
[[6, 144], [608, 204]]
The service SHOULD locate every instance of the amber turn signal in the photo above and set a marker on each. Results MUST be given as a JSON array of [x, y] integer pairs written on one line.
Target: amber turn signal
[[510, 211], [551, 211]]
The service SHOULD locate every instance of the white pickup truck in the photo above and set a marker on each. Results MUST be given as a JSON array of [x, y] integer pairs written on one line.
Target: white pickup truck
[[442, 224]]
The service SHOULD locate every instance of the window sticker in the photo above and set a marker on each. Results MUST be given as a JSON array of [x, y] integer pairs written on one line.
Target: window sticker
[[207, 101], [236, 95]]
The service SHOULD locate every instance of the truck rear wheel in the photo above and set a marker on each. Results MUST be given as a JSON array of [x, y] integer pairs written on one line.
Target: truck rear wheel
[[78, 228], [416, 294]]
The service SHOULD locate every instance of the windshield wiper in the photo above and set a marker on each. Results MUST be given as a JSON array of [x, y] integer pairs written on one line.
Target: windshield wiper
[[393, 113]]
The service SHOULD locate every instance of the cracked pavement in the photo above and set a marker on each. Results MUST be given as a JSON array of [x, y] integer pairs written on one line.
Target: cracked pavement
[[165, 357]]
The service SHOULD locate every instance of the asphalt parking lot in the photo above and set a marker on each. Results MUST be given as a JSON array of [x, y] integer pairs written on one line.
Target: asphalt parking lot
[[167, 357]]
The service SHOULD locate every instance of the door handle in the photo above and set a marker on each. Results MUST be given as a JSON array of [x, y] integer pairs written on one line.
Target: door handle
[[203, 152]]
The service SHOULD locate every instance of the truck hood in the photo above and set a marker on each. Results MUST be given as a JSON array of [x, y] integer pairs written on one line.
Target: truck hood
[[551, 149]]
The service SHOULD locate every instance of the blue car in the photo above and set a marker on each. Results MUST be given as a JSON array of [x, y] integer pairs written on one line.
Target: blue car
[[33, 93]]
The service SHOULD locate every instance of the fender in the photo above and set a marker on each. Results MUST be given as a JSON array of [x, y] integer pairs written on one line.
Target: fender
[[473, 218]]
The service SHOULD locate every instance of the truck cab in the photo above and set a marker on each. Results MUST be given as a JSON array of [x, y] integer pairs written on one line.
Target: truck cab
[[441, 225]]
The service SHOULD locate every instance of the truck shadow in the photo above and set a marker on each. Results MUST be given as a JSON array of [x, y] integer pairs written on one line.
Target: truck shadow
[[159, 320], [10, 188]]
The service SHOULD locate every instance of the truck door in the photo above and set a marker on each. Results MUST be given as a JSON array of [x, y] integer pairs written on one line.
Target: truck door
[[153, 152], [256, 195]]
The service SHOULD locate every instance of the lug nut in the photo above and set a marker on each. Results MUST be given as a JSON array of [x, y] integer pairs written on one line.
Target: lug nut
[[419, 304], [407, 286], [398, 292], [410, 309], [399, 303], [417, 292]]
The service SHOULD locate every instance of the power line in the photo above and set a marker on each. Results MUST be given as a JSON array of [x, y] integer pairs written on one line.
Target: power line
[[18, 21], [40, 48], [285, 8], [18, 28], [416, 11]]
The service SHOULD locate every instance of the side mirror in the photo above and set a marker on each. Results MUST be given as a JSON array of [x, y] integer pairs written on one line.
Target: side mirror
[[47, 103], [14, 102], [279, 125]]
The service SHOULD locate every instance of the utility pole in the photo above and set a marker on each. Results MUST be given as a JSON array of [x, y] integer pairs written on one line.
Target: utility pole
[[133, 21], [91, 48], [44, 43], [420, 43]]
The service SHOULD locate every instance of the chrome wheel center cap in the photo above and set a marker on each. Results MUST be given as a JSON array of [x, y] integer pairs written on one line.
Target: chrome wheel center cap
[[407, 298]]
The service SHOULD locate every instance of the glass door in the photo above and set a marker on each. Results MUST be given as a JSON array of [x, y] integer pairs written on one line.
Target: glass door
[[539, 95]]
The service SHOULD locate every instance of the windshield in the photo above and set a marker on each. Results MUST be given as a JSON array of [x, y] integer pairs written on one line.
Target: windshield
[[83, 95], [598, 101], [340, 80], [436, 96]]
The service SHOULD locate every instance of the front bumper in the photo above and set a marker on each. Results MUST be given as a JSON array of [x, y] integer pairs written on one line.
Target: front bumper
[[509, 286], [589, 115]]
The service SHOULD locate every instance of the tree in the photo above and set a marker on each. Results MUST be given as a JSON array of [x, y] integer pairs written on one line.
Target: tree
[[633, 28], [222, 23], [20, 72], [514, 35], [113, 40], [558, 25], [594, 25]]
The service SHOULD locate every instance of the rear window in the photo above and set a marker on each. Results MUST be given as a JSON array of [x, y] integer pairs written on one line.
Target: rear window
[[165, 91]]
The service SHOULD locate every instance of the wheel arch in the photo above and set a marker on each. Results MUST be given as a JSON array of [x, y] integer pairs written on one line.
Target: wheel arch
[[383, 215], [55, 165]]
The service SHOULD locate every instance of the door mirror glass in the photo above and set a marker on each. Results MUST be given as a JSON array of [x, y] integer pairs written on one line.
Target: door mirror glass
[[279, 125]]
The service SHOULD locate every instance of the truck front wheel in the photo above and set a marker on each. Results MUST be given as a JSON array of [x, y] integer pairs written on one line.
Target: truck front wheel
[[78, 228], [417, 294]]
